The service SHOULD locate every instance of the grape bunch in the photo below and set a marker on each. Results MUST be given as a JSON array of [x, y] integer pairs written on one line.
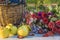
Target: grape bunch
[[36, 29]]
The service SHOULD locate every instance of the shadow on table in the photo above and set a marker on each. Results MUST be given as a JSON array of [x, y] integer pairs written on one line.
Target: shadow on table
[[37, 35]]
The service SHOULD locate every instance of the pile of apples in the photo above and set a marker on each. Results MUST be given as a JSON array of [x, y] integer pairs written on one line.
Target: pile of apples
[[8, 31], [11, 30]]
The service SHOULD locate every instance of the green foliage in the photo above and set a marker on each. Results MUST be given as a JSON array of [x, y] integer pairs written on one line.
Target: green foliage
[[41, 7], [30, 1], [51, 1], [43, 1], [38, 4], [47, 1], [30, 8]]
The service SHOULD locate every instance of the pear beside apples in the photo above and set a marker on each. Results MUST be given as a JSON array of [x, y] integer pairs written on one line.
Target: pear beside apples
[[12, 28], [23, 30]]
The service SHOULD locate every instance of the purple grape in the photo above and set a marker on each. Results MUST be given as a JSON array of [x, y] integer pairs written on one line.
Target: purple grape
[[39, 13]]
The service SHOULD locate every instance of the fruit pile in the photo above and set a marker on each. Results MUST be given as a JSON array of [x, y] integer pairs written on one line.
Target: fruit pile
[[34, 23], [8, 31], [11, 30], [41, 22]]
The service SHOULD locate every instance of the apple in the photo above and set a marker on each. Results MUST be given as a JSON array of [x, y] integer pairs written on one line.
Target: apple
[[14, 30], [4, 33]]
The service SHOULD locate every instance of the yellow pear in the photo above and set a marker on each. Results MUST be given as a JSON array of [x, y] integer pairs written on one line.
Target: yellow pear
[[23, 30]]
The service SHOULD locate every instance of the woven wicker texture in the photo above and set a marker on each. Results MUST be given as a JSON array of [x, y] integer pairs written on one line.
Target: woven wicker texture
[[10, 14]]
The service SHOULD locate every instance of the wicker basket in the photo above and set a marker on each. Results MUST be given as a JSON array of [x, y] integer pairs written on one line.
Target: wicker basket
[[10, 14]]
